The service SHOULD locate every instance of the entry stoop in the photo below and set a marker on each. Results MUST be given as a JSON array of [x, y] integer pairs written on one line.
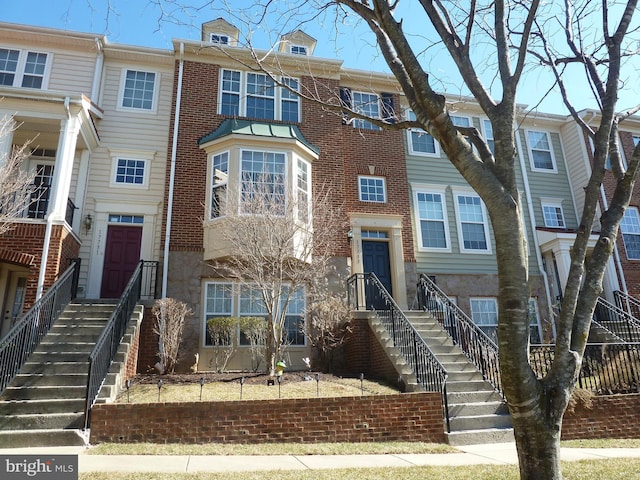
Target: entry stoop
[[44, 405], [477, 413]]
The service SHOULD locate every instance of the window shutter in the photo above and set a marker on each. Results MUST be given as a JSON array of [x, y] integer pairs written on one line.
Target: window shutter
[[346, 101], [388, 112]]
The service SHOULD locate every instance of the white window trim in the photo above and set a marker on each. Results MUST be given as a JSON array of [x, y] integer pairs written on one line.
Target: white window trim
[[243, 96], [553, 203], [287, 174], [373, 177], [156, 89], [355, 121], [483, 123], [485, 299], [296, 188], [117, 154], [220, 36], [436, 145], [234, 293], [22, 61], [626, 251], [530, 152], [210, 184], [440, 190], [457, 192], [295, 45]]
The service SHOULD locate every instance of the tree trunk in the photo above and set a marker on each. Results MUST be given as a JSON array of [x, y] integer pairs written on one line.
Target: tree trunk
[[538, 444]]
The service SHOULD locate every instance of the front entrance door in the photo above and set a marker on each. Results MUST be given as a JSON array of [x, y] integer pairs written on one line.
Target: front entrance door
[[14, 300], [121, 257], [375, 258]]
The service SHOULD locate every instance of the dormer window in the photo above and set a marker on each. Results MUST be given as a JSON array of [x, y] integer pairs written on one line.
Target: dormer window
[[299, 50], [219, 39]]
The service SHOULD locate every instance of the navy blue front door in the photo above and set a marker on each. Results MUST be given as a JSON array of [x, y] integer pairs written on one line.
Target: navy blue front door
[[375, 258]]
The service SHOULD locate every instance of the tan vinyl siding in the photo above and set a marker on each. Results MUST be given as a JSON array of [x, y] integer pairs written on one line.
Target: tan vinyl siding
[[578, 163], [72, 73], [550, 184], [438, 171]]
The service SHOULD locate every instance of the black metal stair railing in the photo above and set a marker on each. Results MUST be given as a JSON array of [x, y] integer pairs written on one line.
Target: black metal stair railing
[[23, 338], [626, 302], [618, 321], [479, 348], [366, 292], [102, 355]]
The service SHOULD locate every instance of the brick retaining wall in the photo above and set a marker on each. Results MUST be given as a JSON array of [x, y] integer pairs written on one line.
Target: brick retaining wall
[[400, 417], [610, 416]]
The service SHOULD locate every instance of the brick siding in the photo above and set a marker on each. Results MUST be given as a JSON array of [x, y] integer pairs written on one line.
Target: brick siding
[[610, 416], [402, 417]]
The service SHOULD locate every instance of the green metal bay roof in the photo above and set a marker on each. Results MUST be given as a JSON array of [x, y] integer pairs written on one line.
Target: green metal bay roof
[[232, 126]]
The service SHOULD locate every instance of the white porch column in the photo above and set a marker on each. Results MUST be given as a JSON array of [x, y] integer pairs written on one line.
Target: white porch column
[[562, 254], [7, 126], [63, 169]]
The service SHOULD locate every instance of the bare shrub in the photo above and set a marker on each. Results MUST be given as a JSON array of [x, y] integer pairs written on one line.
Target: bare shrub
[[254, 330], [170, 317], [223, 332], [328, 327]]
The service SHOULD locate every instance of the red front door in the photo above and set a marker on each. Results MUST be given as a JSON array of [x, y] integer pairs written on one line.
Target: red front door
[[121, 256]]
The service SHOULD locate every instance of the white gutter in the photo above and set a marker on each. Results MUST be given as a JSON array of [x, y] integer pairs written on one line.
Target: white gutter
[[49, 227], [174, 146], [532, 220]]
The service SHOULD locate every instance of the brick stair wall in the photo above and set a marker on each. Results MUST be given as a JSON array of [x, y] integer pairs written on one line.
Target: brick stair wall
[[610, 416]]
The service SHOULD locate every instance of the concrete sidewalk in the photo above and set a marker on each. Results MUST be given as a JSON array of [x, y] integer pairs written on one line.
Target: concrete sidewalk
[[500, 453]]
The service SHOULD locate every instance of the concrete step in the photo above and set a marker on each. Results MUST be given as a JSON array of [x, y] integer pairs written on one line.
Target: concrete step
[[28, 407], [475, 437], [69, 346], [479, 422], [60, 380], [42, 421], [42, 438], [59, 355], [473, 397], [478, 408], [54, 368], [81, 336], [463, 376], [43, 393]]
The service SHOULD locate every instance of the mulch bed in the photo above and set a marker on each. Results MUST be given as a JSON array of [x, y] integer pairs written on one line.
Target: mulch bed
[[250, 378]]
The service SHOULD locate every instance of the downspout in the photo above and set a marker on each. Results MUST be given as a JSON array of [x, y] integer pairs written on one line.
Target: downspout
[[97, 73], [49, 226], [174, 145], [532, 221]]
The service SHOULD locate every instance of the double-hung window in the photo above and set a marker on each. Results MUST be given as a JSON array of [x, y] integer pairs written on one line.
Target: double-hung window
[[219, 185], [630, 228], [421, 142], [256, 95], [130, 171], [263, 179], [540, 152], [303, 188], [218, 303], [472, 224], [552, 213], [484, 313], [23, 69], [488, 135], [138, 90], [433, 232], [372, 189], [367, 104]]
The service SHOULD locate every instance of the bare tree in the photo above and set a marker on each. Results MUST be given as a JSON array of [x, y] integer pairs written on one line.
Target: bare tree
[[170, 316], [280, 246], [16, 183], [490, 44]]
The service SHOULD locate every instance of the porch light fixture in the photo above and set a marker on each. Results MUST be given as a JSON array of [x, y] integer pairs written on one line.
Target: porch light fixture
[[350, 234], [88, 222]]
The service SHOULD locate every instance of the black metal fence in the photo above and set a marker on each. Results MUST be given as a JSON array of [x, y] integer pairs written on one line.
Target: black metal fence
[[607, 368], [475, 343], [26, 334], [365, 292], [107, 344]]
